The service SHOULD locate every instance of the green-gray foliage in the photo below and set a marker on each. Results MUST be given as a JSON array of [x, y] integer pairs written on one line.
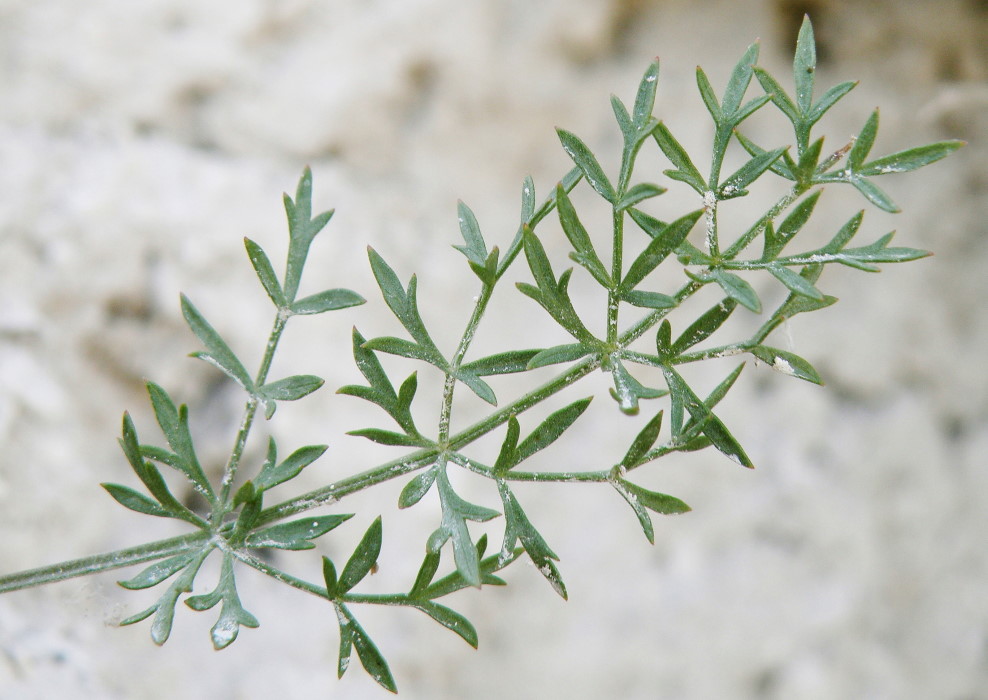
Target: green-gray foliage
[[236, 524]]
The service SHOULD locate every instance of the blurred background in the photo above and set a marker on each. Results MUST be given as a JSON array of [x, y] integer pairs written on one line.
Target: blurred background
[[140, 141]]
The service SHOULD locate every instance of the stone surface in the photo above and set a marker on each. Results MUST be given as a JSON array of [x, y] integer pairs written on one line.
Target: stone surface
[[140, 142]]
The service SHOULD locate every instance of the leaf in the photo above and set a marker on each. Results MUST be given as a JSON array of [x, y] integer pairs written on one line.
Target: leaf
[[588, 165], [174, 424], [623, 118], [387, 437], [475, 249], [558, 354], [703, 327], [164, 609], [527, 200], [217, 353], [783, 167], [363, 558], [797, 304], [577, 235], [352, 635], [628, 390], [401, 302], [456, 512], [736, 288], [450, 619], [645, 99], [272, 475], [383, 392], [790, 226], [643, 441], [649, 300], [737, 84], [708, 95], [639, 193], [663, 339], [550, 294], [735, 184], [910, 159], [329, 300], [778, 93], [550, 429], [508, 455], [478, 386], [639, 499], [829, 99], [659, 248], [863, 143], [302, 229], [265, 273], [658, 502], [329, 576], [151, 477], [407, 348], [795, 282], [296, 535], [674, 151], [647, 223], [519, 527], [159, 571], [430, 565], [416, 489], [787, 363], [709, 424], [129, 498], [804, 65], [291, 388], [232, 613], [501, 363], [875, 195]]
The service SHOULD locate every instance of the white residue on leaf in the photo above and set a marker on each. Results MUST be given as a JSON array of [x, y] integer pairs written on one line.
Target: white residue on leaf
[[730, 190], [783, 366], [734, 458], [340, 617], [224, 633]]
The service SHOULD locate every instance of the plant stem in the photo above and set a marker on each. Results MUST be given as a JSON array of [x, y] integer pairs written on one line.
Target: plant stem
[[250, 411], [780, 206], [102, 562], [512, 475], [450, 384], [613, 302]]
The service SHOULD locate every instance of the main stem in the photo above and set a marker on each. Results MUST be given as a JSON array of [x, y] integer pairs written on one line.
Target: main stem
[[102, 562]]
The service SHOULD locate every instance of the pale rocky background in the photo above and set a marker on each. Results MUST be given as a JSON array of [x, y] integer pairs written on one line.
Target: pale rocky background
[[140, 140]]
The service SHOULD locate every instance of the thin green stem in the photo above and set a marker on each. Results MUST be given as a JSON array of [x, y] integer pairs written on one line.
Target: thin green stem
[[613, 302], [358, 482], [752, 233], [710, 215], [250, 411], [450, 384], [102, 562], [512, 475], [280, 575]]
